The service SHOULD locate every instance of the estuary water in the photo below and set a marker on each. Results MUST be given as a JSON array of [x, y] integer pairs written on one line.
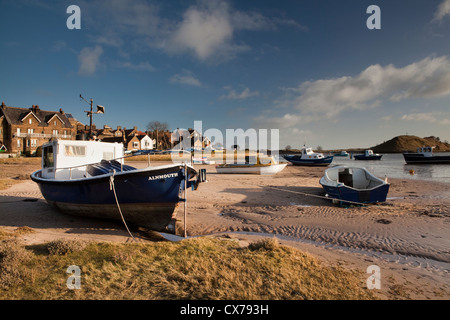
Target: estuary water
[[393, 165]]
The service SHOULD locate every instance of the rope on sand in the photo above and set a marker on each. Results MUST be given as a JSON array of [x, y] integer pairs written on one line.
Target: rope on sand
[[112, 186], [317, 196]]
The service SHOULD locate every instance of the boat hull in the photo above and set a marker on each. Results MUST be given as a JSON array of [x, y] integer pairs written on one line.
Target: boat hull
[[147, 197], [415, 158], [346, 194], [251, 169], [363, 157], [298, 161], [353, 185]]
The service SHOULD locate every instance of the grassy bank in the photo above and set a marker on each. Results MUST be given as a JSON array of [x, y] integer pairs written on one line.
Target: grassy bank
[[202, 268]]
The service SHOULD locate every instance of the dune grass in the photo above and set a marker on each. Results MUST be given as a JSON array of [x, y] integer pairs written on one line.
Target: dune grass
[[201, 268]]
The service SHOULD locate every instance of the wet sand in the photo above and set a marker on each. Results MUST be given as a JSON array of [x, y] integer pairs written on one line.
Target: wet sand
[[407, 237]]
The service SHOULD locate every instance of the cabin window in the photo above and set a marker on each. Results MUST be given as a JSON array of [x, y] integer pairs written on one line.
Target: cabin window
[[75, 151], [108, 156], [48, 157]]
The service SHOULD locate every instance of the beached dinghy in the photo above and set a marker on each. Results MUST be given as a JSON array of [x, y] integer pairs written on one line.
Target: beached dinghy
[[82, 178], [308, 158], [252, 165], [354, 185]]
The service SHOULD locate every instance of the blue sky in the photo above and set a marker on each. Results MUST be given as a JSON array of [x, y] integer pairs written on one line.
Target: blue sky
[[311, 69]]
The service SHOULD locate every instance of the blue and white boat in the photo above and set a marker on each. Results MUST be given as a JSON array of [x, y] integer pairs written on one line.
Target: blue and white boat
[[353, 185], [368, 155], [89, 178], [308, 158], [425, 155]]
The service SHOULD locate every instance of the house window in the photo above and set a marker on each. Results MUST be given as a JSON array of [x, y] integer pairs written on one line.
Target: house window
[[18, 132], [33, 142], [30, 131], [28, 143], [18, 143], [55, 132], [135, 144], [54, 122], [30, 121]]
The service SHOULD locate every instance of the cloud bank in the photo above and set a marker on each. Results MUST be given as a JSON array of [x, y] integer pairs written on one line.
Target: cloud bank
[[328, 98]]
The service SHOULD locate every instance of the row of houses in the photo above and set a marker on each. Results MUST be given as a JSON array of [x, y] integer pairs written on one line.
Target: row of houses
[[23, 130]]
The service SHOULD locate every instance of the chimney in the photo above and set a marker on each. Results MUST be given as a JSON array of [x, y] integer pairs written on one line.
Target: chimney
[[3, 104], [119, 127], [61, 111]]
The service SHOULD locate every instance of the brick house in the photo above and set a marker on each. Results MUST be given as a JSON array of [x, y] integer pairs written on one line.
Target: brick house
[[23, 130]]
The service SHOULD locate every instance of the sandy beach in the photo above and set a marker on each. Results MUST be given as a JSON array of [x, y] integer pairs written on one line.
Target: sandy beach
[[407, 237]]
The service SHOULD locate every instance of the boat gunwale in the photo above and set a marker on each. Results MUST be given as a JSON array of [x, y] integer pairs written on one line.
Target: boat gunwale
[[337, 184], [118, 174]]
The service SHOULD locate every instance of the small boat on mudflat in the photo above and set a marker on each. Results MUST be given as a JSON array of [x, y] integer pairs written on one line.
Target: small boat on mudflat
[[368, 155], [425, 155], [308, 158], [354, 185], [89, 178], [252, 165]]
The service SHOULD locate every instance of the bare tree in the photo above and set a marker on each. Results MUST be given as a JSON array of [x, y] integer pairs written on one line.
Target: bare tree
[[158, 130], [157, 126]]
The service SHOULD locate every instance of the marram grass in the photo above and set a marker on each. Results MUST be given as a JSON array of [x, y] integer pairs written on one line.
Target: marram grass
[[201, 268]]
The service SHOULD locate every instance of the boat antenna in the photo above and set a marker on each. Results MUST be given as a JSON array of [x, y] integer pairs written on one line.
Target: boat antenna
[[100, 109]]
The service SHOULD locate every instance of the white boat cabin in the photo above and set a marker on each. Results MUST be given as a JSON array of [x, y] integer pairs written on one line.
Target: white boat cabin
[[308, 153], [426, 151], [67, 159], [369, 153]]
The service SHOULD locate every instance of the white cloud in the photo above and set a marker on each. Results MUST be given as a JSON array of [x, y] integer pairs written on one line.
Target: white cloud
[[232, 94], [89, 60], [207, 29], [186, 78], [328, 98], [440, 118], [442, 11], [142, 66]]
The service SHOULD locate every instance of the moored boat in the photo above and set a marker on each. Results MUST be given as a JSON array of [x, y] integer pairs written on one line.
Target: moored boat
[[252, 165], [308, 158], [425, 155], [89, 178], [368, 155], [341, 154], [353, 185]]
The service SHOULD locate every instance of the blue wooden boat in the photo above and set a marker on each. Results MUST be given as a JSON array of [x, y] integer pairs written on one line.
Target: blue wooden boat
[[353, 185], [368, 155], [77, 178], [308, 158], [425, 155]]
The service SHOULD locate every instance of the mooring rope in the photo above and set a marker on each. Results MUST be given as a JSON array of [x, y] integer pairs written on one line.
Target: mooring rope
[[317, 196], [112, 186]]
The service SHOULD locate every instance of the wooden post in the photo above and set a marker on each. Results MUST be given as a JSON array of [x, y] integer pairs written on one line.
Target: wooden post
[[185, 198]]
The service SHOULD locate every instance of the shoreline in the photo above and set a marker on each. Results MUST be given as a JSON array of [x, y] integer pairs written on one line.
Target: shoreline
[[407, 237]]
